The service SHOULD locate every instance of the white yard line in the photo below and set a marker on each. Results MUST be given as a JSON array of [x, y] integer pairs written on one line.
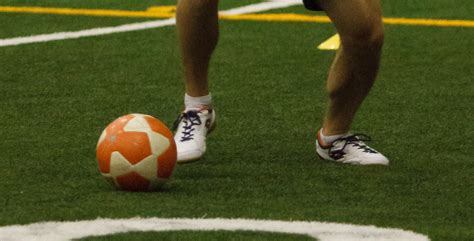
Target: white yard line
[[86, 33], [65, 231], [253, 8]]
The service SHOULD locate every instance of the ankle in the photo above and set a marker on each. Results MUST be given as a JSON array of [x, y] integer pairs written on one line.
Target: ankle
[[328, 139], [197, 103]]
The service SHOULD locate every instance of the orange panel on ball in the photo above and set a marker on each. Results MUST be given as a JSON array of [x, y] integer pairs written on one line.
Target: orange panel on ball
[[118, 124], [106, 147], [104, 150], [133, 182], [158, 126], [166, 161], [134, 146]]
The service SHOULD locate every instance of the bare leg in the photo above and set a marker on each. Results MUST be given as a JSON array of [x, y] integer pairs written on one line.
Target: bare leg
[[197, 23], [198, 32], [353, 72]]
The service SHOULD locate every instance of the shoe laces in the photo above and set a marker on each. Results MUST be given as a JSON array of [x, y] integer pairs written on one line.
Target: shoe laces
[[355, 140], [190, 119]]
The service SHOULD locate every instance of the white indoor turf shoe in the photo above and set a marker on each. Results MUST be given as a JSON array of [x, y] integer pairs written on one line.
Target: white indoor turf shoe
[[350, 149], [191, 128]]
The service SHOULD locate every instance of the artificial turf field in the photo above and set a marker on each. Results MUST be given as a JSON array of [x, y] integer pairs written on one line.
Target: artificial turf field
[[267, 81]]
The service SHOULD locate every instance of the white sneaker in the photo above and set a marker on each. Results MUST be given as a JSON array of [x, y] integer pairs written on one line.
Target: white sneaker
[[191, 129], [350, 149]]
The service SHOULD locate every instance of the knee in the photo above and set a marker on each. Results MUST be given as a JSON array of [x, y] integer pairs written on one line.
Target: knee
[[366, 37]]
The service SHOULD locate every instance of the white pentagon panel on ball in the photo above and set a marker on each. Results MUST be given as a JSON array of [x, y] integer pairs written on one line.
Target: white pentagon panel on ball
[[119, 165], [158, 143], [147, 167], [137, 123]]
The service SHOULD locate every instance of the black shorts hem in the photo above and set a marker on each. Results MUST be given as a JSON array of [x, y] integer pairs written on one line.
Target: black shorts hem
[[311, 5]]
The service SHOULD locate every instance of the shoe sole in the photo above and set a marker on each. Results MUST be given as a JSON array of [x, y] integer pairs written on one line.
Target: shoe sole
[[353, 163], [187, 161]]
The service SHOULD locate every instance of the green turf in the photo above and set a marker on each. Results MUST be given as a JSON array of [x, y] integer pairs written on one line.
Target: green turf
[[111, 4], [32, 24], [193, 235], [267, 82]]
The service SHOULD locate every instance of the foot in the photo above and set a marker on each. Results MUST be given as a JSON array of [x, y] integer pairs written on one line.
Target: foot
[[350, 149], [191, 128]]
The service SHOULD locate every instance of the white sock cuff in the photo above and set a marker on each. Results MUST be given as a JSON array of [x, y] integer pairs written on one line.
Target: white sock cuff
[[329, 139], [197, 102]]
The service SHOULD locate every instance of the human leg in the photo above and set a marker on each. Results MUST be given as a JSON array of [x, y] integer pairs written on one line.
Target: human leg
[[351, 76], [197, 25], [354, 69]]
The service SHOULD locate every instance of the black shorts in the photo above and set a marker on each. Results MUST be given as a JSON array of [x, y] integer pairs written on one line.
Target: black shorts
[[311, 5]]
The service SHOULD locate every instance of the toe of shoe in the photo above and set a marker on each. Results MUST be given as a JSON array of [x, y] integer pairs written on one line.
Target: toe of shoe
[[381, 160], [378, 159]]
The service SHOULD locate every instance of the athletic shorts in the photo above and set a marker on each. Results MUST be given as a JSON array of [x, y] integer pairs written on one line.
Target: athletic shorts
[[311, 5]]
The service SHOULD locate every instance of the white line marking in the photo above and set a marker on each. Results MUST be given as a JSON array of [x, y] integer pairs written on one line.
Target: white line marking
[[64, 231], [253, 8], [86, 33]]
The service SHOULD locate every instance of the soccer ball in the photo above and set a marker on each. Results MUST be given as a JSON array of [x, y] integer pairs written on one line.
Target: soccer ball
[[136, 152]]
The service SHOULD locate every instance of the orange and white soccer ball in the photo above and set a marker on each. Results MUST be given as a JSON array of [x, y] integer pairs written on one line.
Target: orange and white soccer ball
[[136, 152]]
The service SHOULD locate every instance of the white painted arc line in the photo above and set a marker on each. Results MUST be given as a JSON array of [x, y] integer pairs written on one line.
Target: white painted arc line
[[253, 8], [64, 231]]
